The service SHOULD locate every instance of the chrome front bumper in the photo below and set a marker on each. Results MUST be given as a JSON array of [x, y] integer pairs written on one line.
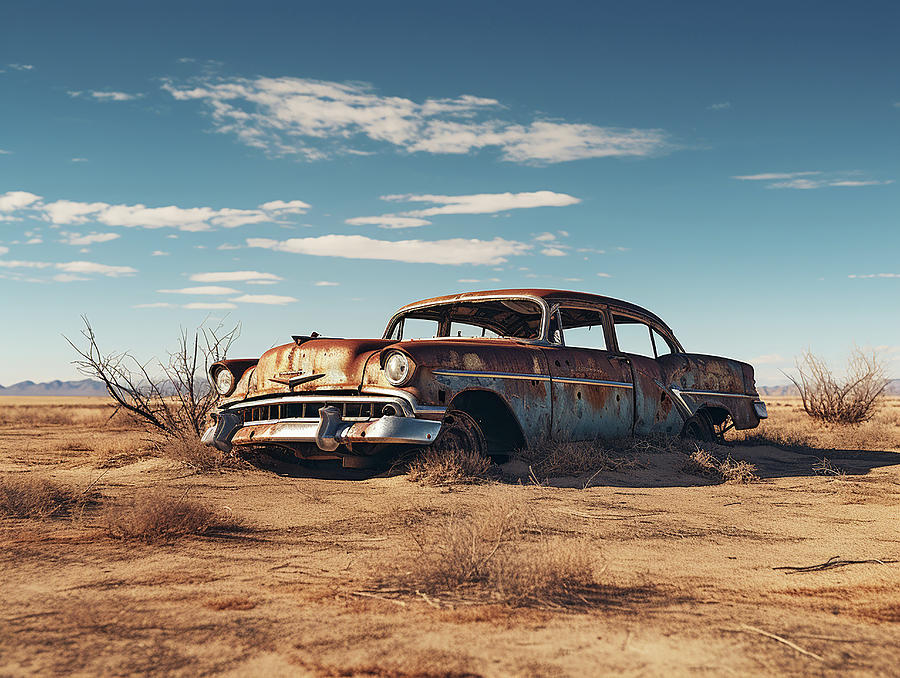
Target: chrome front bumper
[[328, 432]]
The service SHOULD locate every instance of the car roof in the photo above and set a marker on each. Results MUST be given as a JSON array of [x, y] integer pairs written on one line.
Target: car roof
[[550, 296]]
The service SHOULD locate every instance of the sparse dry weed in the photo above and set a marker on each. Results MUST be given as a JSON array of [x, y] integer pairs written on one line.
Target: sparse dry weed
[[550, 458], [442, 467], [494, 556], [37, 497], [191, 452], [700, 462], [158, 516]]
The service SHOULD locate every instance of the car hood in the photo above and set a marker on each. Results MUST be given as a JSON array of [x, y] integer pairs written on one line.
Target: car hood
[[341, 362]]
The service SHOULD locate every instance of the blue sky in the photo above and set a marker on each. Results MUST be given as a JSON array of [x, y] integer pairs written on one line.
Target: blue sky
[[313, 166]]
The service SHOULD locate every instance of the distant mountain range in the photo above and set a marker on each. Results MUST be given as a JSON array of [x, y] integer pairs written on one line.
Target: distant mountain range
[[91, 387], [893, 388], [83, 387]]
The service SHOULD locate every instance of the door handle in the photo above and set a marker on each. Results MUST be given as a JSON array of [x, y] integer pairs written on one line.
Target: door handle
[[619, 358]]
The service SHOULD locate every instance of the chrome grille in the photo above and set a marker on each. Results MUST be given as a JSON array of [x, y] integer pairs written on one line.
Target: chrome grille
[[360, 411]]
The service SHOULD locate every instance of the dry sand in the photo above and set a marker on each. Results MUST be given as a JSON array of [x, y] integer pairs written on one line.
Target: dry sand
[[688, 567]]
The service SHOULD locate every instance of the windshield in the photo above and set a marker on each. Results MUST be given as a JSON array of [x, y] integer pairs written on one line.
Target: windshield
[[489, 319]]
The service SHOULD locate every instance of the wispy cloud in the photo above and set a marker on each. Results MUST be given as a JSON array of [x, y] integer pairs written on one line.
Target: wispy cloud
[[483, 203], [156, 304], [5, 152], [875, 275], [314, 118], [326, 283], [388, 221], [78, 239], [208, 289], [234, 276], [74, 267], [553, 252], [105, 95], [20, 67], [450, 251], [69, 212], [78, 160], [722, 106], [813, 180], [266, 299]]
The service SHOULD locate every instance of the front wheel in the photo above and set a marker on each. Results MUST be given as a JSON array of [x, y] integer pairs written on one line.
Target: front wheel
[[460, 435]]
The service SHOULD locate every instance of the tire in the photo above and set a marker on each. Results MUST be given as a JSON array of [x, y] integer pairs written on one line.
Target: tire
[[460, 433], [698, 428]]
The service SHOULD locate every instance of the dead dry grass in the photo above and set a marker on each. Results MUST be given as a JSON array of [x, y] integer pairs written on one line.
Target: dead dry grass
[[192, 453], [29, 496], [701, 462], [434, 467], [550, 458], [789, 427], [159, 516], [498, 555]]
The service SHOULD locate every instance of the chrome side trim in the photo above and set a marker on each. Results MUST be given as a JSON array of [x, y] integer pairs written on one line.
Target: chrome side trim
[[491, 375], [714, 393], [594, 382], [399, 393]]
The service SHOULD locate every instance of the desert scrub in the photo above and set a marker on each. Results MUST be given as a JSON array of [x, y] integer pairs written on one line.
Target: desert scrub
[[499, 555], [160, 516], [701, 463], [37, 497], [441, 467], [188, 450], [550, 458]]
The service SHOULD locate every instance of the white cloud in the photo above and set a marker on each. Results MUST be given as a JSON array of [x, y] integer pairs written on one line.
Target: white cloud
[[207, 289], [226, 246], [106, 96], [68, 212], [326, 283], [553, 252], [469, 281], [5, 152], [20, 67], [234, 276], [159, 253], [68, 277], [723, 106], [388, 221], [267, 299], [484, 203], [3, 250], [16, 200], [604, 275], [156, 304], [209, 306], [90, 267], [545, 237], [89, 239], [314, 118], [78, 160], [875, 275], [451, 251], [802, 181]]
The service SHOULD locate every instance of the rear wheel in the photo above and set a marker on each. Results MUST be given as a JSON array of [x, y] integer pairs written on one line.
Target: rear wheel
[[699, 428]]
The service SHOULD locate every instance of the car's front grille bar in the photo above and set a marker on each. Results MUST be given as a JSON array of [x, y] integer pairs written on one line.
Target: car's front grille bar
[[350, 411]]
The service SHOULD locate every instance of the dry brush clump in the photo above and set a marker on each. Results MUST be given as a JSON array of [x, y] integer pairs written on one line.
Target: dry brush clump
[[851, 399], [700, 462], [446, 466], [39, 497], [191, 452], [500, 555], [551, 458], [158, 516]]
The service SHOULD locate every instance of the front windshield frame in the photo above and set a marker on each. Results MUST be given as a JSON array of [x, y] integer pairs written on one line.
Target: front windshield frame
[[541, 303]]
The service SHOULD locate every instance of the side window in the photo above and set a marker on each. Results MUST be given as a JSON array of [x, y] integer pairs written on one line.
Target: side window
[[458, 329], [633, 336], [662, 346], [419, 328], [583, 328]]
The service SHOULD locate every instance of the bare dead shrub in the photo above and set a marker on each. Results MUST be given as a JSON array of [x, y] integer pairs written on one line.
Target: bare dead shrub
[[849, 400], [159, 516], [37, 497], [442, 467], [494, 556], [172, 397]]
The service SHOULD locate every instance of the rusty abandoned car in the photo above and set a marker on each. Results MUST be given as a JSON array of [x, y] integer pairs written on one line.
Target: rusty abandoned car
[[491, 371]]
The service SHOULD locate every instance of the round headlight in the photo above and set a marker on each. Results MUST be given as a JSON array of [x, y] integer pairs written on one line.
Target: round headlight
[[224, 381], [397, 368]]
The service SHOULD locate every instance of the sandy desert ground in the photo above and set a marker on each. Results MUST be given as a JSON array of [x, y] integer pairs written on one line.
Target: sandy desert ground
[[318, 579]]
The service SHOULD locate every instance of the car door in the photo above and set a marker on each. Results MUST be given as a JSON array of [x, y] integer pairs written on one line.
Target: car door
[[654, 411], [591, 389]]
